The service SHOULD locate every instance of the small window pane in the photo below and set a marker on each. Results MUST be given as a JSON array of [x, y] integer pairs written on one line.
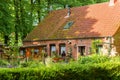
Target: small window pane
[[62, 48], [68, 25], [52, 50]]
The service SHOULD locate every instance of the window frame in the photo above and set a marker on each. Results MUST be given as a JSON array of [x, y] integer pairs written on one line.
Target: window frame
[[68, 25]]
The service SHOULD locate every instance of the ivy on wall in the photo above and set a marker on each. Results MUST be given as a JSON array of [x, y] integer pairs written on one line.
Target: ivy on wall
[[95, 45]]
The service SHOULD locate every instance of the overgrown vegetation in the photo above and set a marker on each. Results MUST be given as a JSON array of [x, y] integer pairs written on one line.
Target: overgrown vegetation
[[93, 67], [95, 46], [3, 63]]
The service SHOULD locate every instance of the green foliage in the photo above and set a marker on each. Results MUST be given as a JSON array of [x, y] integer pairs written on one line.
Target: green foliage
[[93, 59], [3, 63], [6, 19], [55, 54], [1, 38], [12, 51], [95, 44], [12, 41], [32, 64], [98, 68], [101, 71]]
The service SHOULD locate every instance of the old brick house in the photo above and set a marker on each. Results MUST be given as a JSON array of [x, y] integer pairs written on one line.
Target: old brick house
[[73, 31]]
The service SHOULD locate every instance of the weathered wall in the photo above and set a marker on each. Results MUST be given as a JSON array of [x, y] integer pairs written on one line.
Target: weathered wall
[[110, 45], [73, 44]]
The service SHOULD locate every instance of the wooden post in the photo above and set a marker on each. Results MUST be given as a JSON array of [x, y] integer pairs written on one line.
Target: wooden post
[[27, 54]]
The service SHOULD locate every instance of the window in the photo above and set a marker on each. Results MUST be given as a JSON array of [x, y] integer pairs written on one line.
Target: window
[[22, 52], [68, 25], [36, 51], [52, 49], [81, 50], [62, 48]]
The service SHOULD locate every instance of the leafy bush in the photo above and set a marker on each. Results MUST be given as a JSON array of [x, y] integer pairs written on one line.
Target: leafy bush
[[93, 59], [73, 71], [3, 63], [32, 64], [86, 68]]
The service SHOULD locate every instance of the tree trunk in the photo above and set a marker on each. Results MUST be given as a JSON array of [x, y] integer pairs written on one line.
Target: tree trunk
[[39, 17], [31, 12], [22, 18], [6, 39], [17, 20]]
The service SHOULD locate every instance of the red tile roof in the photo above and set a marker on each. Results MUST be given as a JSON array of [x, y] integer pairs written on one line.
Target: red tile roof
[[98, 20]]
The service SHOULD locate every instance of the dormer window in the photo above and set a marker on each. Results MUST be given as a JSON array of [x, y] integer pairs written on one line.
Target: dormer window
[[68, 25]]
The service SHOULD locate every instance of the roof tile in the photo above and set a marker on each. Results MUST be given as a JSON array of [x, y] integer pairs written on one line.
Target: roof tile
[[96, 20]]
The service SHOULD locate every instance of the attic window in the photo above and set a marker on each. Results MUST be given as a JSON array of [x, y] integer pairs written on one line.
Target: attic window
[[68, 25]]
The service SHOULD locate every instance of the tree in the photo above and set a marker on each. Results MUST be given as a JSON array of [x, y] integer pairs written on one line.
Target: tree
[[23, 17], [6, 26]]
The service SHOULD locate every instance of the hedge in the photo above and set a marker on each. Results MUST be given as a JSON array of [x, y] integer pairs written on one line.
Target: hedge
[[72, 71]]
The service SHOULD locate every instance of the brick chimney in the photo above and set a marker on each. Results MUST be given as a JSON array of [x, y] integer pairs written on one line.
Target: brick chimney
[[68, 12], [112, 2]]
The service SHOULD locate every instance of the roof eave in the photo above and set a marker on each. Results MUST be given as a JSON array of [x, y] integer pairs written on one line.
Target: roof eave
[[67, 39]]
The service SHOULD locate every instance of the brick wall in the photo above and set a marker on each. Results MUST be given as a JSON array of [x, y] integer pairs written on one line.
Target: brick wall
[[73, 44]]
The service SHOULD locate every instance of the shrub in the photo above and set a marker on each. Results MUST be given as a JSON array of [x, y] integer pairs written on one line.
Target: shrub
[[3, 63], [102, 68], [31, 64], [93, 59]]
